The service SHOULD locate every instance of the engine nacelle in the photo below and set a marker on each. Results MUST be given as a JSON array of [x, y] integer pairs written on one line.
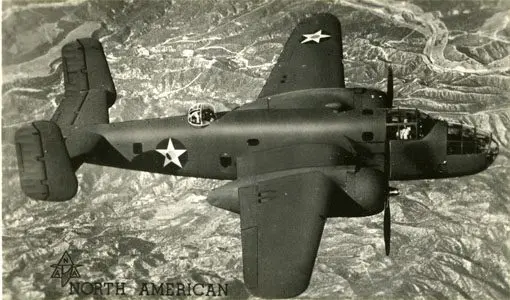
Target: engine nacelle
[[363, 193]]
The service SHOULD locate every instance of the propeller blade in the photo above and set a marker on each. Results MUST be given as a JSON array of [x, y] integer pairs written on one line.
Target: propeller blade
[[389, 90], [387, 226]]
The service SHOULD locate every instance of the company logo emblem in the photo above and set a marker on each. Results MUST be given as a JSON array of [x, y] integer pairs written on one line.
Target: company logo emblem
[[65, 269]]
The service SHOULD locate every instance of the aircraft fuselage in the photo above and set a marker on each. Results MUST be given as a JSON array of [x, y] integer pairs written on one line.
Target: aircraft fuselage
[[212, 152], [366, 135]]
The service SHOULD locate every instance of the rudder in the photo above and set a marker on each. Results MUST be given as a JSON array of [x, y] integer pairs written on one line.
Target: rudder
[[89, 88]]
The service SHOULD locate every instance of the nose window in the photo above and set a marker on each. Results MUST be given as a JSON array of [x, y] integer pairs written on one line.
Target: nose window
[[463, 139]]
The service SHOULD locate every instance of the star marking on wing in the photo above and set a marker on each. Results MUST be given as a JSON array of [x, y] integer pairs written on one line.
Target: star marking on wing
[[316, 37], [171, 154]]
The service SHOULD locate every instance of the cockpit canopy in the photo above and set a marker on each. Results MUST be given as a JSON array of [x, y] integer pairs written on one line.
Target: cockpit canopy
[[408, 124], [201, 115]]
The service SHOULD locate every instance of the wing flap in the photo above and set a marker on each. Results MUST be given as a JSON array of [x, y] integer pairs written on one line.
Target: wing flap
[[281, 226]]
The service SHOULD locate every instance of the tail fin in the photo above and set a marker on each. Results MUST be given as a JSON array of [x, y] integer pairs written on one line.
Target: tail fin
[[48, 152], [44, 165], [89, 88]]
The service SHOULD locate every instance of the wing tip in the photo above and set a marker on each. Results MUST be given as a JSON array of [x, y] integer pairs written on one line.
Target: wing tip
[[323, 16]]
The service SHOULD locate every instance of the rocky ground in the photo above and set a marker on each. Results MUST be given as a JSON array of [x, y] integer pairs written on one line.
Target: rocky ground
[[450, 237]]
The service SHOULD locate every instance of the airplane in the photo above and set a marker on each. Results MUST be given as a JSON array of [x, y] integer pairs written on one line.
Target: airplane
[[307, 149]]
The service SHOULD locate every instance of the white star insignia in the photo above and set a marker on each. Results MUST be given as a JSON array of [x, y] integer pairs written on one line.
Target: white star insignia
[[171, 154], [316, 37]]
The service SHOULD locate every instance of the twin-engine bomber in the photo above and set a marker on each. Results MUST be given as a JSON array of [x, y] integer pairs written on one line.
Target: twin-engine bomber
[[305, 150]]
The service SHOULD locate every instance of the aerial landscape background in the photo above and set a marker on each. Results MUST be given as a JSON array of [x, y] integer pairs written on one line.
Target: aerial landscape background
[[450, 237]]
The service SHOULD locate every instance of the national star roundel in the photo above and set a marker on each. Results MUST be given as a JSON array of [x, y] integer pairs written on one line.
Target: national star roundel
[[173, 155], [315, 37]]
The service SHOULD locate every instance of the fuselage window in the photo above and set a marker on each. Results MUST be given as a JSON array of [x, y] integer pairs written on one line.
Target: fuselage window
[[252, 142], [401, 131], [137, 148], [406, 132], [367, 136], [407, 125], [225, 160]]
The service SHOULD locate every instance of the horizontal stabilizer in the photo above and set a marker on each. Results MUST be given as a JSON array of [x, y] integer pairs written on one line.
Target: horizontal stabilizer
[[45, 169]]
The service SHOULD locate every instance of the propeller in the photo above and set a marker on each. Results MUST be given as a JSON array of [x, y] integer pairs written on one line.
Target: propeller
[[391, 191], [387, 219], [389, 89], [387, 226]]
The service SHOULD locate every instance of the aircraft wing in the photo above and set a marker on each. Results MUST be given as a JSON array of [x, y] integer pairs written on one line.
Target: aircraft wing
[[281, 226], [311, 58]]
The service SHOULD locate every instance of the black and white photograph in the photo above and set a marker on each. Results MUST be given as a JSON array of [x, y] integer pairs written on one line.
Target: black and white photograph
[[348, 149]]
